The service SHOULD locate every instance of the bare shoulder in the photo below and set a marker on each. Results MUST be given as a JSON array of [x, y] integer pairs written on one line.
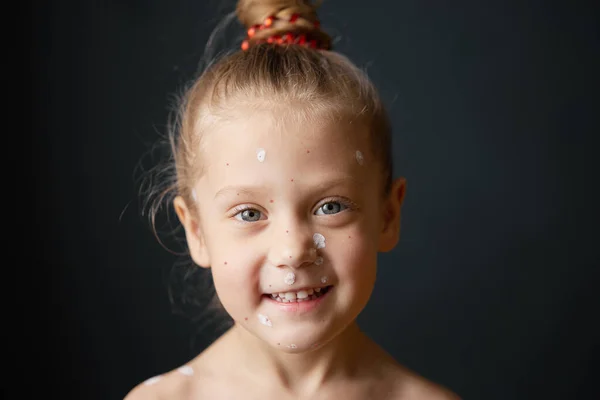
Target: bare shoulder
[[181, 383], [411, 386]]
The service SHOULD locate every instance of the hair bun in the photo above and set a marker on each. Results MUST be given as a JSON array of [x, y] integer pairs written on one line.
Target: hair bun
[[294, 18]]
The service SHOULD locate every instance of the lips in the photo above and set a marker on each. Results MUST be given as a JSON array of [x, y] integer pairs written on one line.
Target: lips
[[300, 295]]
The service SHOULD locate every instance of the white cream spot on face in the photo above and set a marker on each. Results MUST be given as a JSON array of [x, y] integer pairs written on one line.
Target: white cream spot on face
[[152, 380], [319, 260], [290, 278], [319, 240], [261, 154], [324, 279], [186, 370], [194, 195], [359, 157], [264, 320], [292, 346]]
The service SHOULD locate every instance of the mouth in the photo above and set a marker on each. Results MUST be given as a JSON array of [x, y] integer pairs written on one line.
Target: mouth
[[298, 296]]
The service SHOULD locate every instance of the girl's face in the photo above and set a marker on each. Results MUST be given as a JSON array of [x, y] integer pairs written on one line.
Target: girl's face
[[290, 209]]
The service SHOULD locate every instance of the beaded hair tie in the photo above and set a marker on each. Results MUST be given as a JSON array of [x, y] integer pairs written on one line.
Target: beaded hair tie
[[287, 38]]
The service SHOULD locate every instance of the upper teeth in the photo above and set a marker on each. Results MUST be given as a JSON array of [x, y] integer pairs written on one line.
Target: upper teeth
[[298, 295]]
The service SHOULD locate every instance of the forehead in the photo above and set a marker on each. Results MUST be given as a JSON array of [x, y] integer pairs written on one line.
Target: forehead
[[258, 148]]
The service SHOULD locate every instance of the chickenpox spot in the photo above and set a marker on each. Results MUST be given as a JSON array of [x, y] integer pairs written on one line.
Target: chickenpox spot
[[152, 380], [319, 260], [286, 231], [319, 240], [225, 263], [260, 155], [349, 237], [307, 151], [264, 320], [270, 201], [290, 278], [186, 370], [292, 180], [245, 318], [359, 157], [228, 164]]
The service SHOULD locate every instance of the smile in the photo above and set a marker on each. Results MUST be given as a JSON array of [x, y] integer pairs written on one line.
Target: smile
[[300, 301]]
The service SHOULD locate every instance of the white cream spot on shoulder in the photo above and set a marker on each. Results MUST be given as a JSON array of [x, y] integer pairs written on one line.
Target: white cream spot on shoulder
[[261, 154], [359, 157], [319, 240], [186, 370], [264, 320], [324, 279], [153, 380], [319, 260], [290, 278]]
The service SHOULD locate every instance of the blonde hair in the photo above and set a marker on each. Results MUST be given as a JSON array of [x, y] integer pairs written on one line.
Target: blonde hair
[[312, 86]]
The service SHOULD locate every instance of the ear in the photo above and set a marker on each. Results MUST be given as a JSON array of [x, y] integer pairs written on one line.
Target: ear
[[391, 212], [193, 234]]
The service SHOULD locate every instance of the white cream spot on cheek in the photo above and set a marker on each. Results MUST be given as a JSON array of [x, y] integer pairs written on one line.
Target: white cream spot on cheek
[[359, 157], [319, 260], [194, 195], [319, 240], [260, 154], [152, 380], [186, 370], [324, 279], [290, 278], [264, 320]]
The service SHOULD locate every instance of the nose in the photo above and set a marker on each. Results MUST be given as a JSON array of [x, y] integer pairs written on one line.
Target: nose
[[293, 247]]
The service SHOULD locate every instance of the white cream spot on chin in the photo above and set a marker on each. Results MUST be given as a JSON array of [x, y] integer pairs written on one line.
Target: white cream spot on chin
[[261, 154], [194, 195], [324, 279], [290, 278], [186, 370], [264, 320], [152, 380], [319, 260], [319, 240], [359, 157]]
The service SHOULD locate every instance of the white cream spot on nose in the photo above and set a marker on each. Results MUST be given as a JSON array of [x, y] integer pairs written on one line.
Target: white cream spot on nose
[[319, 260], [290, 278], [264, 320], [186, 370], [152, 380], [359, 157], [319, 240], [261, 154]]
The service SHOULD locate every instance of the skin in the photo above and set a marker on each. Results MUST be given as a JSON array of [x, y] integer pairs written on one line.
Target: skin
[[309, 182]]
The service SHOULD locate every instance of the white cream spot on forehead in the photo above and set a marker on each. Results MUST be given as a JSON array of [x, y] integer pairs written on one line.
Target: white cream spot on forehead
[[359, 157], [186, 370], [319, 240], [261, 154], [152, 380], [290, 278], [264, 320]]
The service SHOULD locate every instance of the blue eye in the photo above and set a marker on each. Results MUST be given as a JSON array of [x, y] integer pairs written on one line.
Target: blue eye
[[332, 207], [248, 215]]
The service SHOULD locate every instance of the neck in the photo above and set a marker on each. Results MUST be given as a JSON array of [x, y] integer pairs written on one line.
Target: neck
[[309, 371]]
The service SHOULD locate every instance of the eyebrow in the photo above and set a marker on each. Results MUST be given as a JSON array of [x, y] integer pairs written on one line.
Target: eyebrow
[[249, 190]]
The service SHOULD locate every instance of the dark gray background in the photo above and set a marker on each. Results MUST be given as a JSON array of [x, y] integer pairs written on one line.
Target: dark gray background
[[492, 290]]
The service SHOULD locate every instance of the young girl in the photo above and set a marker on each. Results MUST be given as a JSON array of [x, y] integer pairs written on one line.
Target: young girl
[[283, 185]]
